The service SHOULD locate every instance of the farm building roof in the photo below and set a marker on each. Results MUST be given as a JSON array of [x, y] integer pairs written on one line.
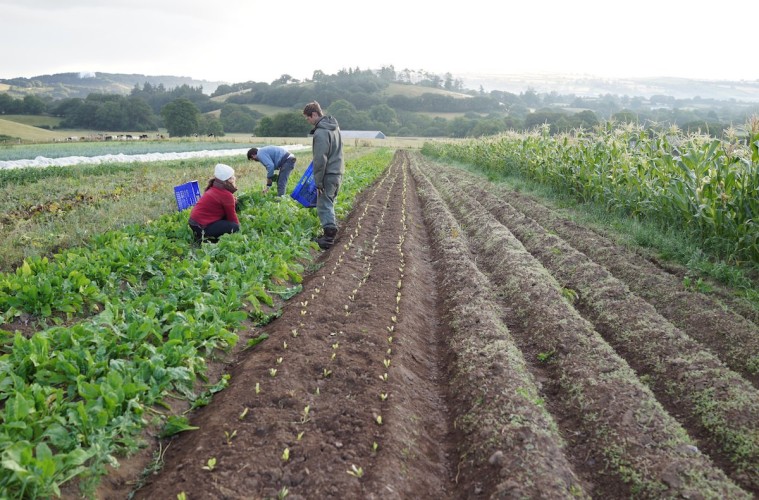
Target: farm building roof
[[362, 134]]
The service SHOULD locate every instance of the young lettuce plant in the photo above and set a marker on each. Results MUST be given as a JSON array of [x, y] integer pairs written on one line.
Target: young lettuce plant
[[230, 436], [355, 471], [306, 411]]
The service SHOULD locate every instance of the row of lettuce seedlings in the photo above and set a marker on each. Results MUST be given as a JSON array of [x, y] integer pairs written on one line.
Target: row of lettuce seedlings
[[312, 296], [384, 394]]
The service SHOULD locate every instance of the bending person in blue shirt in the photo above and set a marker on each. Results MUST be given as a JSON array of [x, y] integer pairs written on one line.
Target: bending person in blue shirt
[[274, 158]]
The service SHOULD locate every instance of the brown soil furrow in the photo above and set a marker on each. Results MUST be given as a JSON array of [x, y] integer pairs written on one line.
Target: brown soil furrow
[[510, 445], [630, 433], [418, 422], [716, 404], [731, 336]]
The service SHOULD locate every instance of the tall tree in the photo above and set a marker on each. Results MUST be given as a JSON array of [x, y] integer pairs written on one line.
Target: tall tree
[[181, 117], [283, 125]]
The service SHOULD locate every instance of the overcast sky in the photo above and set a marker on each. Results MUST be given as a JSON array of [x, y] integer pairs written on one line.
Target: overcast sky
[[243, 40]]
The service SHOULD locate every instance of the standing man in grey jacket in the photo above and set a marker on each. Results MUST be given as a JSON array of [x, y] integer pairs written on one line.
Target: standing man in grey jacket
[[329, 167]]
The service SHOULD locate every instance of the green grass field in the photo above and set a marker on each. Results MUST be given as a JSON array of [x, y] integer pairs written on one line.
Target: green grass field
[[34, 120], [416, 91], [29, 133]]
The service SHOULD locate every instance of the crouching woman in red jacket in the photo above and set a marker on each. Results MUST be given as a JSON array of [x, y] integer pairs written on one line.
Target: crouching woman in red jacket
[[214, 214]]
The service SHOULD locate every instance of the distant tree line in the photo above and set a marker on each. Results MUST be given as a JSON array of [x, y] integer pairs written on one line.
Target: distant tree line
[[358, 99]]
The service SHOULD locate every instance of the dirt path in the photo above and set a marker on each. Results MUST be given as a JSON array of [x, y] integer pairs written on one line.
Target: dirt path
[[456, 345]]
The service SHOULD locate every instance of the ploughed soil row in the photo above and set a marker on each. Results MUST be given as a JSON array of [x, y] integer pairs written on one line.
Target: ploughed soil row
[[731, 332], [718, 405], [619, 436], [449, 348]]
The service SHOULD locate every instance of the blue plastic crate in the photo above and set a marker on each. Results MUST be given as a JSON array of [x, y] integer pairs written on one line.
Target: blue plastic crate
[[187, 194], [305, 191]]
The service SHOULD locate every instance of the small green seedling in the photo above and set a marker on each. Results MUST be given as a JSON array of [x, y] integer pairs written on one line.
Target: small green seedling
[[545, 356], [210, 464], [273, 372], [286, 455], [230, 436], [569, 294], [244, 413], [355, 471]]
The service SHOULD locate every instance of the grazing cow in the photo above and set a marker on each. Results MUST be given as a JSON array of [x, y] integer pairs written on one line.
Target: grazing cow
[[144, 136]]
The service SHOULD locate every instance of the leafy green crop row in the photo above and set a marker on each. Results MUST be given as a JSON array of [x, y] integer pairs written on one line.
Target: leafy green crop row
[[74, 397], [707, 187]]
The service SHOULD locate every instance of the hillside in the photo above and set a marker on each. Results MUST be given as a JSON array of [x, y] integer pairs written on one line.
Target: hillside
[[28, 132], [63, 85], [588, 85]]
